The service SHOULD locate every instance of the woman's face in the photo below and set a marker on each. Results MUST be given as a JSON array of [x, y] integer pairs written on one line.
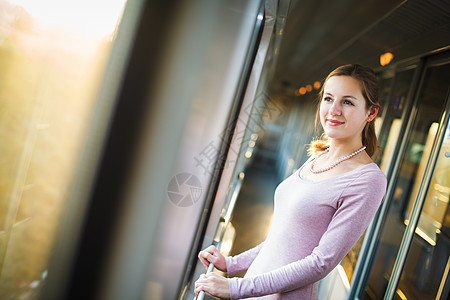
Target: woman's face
[[343, 112]]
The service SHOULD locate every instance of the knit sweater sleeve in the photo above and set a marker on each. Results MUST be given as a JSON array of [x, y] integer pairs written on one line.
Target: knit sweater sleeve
[[242, 261], [355, 209]]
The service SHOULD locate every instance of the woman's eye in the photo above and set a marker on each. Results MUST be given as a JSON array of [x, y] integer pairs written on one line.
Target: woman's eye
[[348, 102], [327, 99]]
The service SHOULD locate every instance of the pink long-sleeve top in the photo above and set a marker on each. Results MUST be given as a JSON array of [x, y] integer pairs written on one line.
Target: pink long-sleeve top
[[315, 224]]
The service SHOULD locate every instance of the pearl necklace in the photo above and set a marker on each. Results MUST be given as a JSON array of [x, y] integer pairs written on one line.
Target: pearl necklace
[[335, 163]]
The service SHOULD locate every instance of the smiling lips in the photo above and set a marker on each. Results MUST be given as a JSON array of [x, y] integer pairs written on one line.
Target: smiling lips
[[334, 122]]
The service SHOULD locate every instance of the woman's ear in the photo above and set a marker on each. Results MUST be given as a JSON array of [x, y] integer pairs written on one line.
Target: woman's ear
[[373, 111]]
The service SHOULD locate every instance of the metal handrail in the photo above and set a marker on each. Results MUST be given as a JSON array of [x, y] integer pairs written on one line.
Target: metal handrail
[[225, 219]]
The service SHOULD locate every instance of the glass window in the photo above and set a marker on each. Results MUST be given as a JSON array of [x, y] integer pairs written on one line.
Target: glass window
[[52, 56], [428, 257], [429, 109], [383, 98], [392, 115]]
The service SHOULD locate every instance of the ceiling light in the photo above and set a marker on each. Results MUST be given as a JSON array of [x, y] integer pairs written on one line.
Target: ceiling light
[[386, 58]]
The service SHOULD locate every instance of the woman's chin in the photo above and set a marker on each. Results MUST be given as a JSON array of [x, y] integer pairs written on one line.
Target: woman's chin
[[333, 134]]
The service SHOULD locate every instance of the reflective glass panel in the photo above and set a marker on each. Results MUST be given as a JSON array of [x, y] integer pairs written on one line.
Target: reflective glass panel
[[430, 250], [392, 118], [52, 56], [430, 106]]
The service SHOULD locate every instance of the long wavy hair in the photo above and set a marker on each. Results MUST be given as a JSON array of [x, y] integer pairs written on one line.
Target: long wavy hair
[[369, 89]]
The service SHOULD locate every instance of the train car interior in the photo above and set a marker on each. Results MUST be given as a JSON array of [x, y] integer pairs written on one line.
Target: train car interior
[[135, 133]]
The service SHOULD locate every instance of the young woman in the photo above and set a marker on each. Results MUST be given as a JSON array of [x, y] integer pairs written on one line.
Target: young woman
[[321, 210]]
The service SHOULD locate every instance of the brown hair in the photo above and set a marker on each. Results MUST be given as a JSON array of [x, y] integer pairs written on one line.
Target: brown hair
[[369, 89]]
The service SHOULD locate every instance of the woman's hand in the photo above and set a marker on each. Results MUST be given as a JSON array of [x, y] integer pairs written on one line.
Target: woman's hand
[[212, 255], [214, 285]]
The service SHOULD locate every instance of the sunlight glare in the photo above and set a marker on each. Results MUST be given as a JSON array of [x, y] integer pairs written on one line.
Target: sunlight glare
[[94, 18]]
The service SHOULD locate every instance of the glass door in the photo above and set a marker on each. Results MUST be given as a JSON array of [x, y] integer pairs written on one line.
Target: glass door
[[408, 181], [428, 259], [393, 116]]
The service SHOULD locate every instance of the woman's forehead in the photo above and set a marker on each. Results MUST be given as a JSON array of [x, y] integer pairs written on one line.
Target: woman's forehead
[[342, 85]]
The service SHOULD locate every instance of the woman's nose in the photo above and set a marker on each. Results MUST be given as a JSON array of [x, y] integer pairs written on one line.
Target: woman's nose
[[335, 109]]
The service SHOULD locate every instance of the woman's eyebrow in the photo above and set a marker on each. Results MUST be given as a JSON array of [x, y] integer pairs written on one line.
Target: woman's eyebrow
[[346, 96]]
